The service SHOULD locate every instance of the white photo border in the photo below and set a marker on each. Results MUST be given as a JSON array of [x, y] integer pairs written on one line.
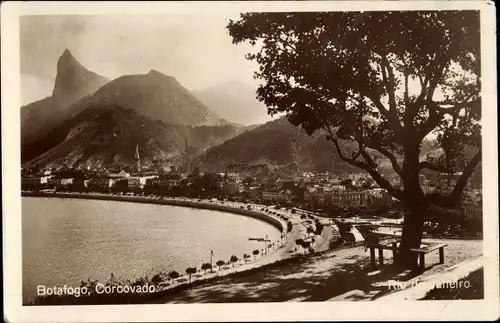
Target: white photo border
[[487, 309]]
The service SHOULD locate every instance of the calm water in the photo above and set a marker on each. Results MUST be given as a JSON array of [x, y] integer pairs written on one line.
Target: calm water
[[67, 240]]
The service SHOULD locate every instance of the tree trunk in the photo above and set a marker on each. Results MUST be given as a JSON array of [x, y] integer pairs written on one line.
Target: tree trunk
[[411, 237], [414, 202]]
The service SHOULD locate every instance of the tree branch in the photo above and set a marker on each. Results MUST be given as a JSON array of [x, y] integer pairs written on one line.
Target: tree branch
[[389, 155], [389, 82], [406, 94], [391, 117], [288, 44], [434, 167], [422, 81], [377, 177], [455, 107], [454, 198], [436, 112], [380, 107], [466, 174], [369, 160]]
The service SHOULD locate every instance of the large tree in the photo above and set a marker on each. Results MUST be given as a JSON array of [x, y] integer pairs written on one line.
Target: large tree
[[383, 81]]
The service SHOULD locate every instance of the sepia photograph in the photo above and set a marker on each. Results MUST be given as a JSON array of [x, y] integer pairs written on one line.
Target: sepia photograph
[[244, 155]]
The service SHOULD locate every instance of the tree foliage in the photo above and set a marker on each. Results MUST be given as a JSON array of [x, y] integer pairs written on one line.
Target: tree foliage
[[233, 259], [220, 263], [190, 271], [382, 80], [206, 266], [173, 275]]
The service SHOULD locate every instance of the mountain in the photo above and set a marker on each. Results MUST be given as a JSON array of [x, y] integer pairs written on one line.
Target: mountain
[[277, 143], [105, 135], [78, 94], [158, 96], [72, 83], [234, 101]]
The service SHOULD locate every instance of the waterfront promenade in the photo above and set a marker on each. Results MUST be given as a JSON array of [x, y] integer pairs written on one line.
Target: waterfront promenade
[[336, 275]]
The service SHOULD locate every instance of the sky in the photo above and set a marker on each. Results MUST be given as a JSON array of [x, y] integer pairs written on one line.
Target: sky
[[196, 49]]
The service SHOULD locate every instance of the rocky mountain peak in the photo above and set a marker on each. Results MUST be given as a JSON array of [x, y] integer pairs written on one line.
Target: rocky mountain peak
[[73, 80], [67, 58]]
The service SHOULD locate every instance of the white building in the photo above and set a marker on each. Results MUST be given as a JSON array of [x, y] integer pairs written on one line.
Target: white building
[[270, 196], [102, 182], [234, 177], [357, 176], [473, 210], [32, 181], [138, 181], [121, 174]]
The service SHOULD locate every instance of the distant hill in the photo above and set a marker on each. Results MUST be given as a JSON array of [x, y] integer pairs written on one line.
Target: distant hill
[[158, 96], [235, 102], [276, 142], [102, 135]]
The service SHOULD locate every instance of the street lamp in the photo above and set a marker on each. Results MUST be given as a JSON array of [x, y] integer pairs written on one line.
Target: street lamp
[[211, 257], [265, 243]]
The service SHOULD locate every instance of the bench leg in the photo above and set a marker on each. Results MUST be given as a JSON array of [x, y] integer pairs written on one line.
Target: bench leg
[[372, 257], [422, 261], [381, 256], [441, 255]]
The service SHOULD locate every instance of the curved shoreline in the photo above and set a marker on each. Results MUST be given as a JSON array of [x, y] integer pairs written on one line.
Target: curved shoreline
[[183, 202], [281, 253], [285, 252]]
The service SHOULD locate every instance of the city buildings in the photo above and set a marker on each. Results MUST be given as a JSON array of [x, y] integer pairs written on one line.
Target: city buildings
[[138, 181], [27, 181], [104, 182], [316, 189]]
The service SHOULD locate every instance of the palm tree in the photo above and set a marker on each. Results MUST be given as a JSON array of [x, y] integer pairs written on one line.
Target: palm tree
[[173, 275], [306, 245], [206, 266], [245, 257], [233, 259], [255, 253], [157, 279], [300, 243], [190, 271], [220, 263]]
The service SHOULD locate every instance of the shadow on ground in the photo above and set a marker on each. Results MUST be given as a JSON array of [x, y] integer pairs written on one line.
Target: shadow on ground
[[302, 280]]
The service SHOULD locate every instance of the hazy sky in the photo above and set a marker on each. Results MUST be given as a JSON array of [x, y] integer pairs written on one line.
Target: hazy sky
[[196, 49]]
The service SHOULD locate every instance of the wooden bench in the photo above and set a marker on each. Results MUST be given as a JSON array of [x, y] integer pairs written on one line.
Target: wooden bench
[[431, 247], [393, 246]]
